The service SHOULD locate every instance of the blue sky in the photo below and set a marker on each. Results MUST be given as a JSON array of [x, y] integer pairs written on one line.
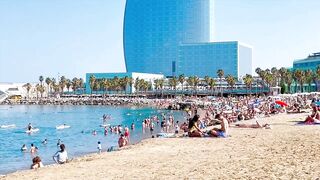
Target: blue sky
[[42, 37]]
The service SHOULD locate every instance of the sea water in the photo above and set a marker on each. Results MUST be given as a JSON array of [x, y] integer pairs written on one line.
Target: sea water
[[78, 138]]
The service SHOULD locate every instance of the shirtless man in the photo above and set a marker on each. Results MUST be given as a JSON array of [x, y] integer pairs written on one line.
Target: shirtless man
[[257, 125], [223, 131]]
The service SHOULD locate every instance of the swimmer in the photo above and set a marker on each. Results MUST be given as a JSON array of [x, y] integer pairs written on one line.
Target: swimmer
[[94, 132], [24, 148], [45, 142], [29, 127], [33, 149], [59, 142]]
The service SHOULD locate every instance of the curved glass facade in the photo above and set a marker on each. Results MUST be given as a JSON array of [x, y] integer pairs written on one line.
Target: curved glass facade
[[155, 29]]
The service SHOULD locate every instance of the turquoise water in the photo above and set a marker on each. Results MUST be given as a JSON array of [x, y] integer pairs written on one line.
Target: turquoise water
[[80, 118]]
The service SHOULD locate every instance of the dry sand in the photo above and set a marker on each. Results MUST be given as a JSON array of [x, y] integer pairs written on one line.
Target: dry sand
[[284, 152]]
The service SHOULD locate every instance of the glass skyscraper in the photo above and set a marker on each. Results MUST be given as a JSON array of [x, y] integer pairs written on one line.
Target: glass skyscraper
[[168, 36]]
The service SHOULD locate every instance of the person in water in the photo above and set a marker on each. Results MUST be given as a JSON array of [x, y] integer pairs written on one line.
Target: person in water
[[33, 149], [61, 156], [29, 127], [44, 142], [24, 148], [122, 141], [59, 142], [94, 132], [36, 163]]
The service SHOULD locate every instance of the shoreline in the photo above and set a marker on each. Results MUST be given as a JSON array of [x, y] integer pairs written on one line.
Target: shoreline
[[286, 151]]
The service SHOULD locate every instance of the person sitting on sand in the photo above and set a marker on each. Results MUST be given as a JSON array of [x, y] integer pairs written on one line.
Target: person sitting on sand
[[223, 131], [36, 163], [314, 117], [61, 156], [257, 125], [122, 141], [194, 130]]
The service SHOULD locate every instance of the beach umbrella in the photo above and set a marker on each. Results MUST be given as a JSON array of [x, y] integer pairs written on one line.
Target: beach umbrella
[[281, 103]]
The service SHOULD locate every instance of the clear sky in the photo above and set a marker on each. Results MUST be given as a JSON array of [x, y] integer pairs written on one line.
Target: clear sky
[[67, 37]]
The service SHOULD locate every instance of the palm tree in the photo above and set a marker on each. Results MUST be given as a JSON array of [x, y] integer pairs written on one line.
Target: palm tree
[[137, 85], [75, 84], [220, 74], [212, 84], [81, 84], [161, 84], [41, 79], [231, 81], [196, 81], [288, 80], [248, 80], [62, 83], [96, 85], [173, 82], [309, 78], [28, 86], [258, 71], [207, 80], [182, 79], [92, 81], [48, 82], [40, 89], [68, 84], [275, 74], [299, 76]]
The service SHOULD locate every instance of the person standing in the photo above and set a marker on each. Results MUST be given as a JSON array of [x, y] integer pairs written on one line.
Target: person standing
[[99, 147], [61, 156]]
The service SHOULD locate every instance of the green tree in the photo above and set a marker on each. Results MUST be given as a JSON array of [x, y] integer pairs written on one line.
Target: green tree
[[92, 81], [28, 87], [248, 80], [48, 82], [75, 84], [299, 76], [182, 79], [220, 74], [41, 79], [173, 82], [231, 81], [309, 78]]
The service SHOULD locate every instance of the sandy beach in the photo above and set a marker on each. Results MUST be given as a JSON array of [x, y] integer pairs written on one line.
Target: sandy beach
[[286, 151]]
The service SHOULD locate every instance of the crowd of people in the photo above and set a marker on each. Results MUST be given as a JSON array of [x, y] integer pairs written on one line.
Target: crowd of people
[[213, 118]]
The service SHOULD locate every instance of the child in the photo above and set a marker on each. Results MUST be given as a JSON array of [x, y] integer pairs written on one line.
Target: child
[[99, 147]]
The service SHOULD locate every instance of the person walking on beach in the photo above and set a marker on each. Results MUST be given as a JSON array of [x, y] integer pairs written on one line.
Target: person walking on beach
[[61, 156], [99, 147]]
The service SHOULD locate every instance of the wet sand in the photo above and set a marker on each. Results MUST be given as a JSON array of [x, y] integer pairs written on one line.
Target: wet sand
[[286, 151]]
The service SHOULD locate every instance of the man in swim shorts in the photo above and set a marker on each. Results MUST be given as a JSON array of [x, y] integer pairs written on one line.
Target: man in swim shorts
[[223, 131]]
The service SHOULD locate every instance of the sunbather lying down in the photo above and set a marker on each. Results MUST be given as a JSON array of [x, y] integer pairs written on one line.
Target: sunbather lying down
[[257, 125]]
